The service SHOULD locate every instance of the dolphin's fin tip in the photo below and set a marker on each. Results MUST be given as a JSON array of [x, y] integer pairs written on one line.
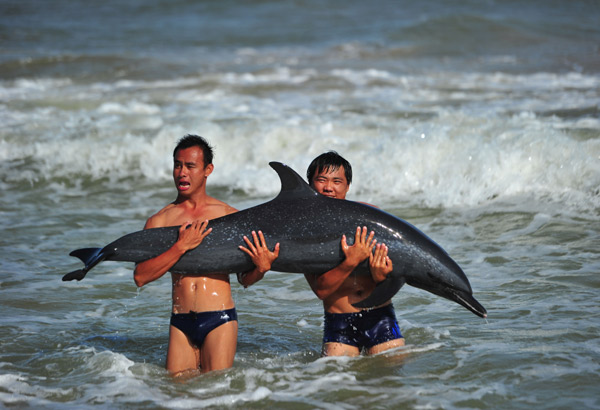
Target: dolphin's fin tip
[[90, 257], [292, 184], [75, 275]]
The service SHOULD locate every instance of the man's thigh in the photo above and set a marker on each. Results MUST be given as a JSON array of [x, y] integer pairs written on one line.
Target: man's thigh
[[382, 347], [339, 349], [181, 355], [218, 349]]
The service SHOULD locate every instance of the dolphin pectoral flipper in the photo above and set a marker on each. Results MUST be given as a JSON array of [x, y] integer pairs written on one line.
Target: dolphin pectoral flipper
[[90, 256], [383, 292]]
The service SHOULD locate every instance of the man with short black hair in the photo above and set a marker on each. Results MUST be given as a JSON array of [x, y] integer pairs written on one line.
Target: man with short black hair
[[348, 330], [203, 331]]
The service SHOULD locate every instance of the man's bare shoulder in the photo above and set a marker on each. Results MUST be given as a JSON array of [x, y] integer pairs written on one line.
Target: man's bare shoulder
[[162, 218], [217, 208], [176, 214]]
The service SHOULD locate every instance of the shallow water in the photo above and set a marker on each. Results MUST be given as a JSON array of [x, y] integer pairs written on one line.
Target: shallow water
[[476, 122]]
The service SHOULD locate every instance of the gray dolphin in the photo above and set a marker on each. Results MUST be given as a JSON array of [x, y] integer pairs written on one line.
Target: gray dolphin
[[309, 227]]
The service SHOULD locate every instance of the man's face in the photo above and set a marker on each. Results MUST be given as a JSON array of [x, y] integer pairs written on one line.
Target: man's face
[[331, 183], [189, 172]]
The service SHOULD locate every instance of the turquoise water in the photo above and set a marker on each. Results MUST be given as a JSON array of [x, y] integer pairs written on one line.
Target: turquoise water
[[476, 122]]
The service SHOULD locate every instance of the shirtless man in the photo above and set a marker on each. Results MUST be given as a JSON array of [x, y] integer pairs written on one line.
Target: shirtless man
[[203, 331], [347, 329]]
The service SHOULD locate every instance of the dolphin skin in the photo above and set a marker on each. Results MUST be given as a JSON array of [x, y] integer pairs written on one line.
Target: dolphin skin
[[309, 227]]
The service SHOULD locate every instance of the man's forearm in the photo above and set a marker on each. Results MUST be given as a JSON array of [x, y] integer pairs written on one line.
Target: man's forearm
[[152, 269], [329, 282], [250, 277]]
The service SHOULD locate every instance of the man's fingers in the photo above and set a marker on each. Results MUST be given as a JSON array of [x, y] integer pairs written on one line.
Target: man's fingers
[[380, 254], [205, 233], [245, 250], [258, 244], [261, 240], [363, 233], [372, 244], [344, 242], [357, 235], [370, 240], [377, 254], [249, 243]]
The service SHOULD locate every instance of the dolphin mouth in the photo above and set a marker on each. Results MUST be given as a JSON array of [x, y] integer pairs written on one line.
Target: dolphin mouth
[[469, 302]]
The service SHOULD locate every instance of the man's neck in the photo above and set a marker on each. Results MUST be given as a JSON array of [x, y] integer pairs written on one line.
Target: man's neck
[[193, 201]]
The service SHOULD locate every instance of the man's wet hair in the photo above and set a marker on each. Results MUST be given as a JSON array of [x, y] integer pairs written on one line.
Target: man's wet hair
[[328, 161], [191, 140]]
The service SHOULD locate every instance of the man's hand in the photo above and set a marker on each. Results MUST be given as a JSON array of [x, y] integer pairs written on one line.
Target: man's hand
[[362, 248], [191, 234], [261, 256], [379, 263]]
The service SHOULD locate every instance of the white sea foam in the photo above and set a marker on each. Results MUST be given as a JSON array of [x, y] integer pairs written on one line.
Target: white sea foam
[[465, 156], [19, 389]]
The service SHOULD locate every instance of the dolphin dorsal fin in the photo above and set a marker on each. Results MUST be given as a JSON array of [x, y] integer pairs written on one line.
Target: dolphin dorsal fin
[[293, 186]]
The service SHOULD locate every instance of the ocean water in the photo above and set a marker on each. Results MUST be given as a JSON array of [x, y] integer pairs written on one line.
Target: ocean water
[[476, 121]]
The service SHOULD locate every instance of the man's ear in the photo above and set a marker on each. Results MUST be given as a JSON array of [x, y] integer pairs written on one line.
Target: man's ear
[[208, 170]]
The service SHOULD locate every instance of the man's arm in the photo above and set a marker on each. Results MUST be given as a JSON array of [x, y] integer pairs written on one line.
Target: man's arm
[[190, 235], [261, 256], [326, 284]]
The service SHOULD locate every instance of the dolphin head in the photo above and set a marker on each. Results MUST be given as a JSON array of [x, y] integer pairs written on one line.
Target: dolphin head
[[436, 272]]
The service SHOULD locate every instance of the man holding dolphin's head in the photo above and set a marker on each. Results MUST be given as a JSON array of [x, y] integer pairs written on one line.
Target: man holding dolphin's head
[[348, 330], [203, 331]]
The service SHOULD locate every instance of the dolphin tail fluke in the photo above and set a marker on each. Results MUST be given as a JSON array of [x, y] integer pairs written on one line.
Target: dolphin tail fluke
[[383, 292], [76, 274], [90, 256]]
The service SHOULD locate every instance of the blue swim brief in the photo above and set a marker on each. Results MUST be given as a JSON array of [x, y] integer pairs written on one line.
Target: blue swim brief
[[363, 329], [196, 325]]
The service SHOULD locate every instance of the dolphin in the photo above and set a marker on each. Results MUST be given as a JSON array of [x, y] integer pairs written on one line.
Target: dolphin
[[309, 227]]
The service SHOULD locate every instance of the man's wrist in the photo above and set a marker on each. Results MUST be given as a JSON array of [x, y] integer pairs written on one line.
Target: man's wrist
[[348, 265]]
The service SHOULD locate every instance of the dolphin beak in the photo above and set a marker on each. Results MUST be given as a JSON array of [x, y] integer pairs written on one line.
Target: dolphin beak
[[468, 301]]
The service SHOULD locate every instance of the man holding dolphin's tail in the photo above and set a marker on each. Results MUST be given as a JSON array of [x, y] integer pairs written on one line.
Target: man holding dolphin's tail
[[203, 331]]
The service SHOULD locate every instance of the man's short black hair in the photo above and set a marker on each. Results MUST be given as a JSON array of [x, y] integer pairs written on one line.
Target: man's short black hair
[[329, 161], [191, 140]]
